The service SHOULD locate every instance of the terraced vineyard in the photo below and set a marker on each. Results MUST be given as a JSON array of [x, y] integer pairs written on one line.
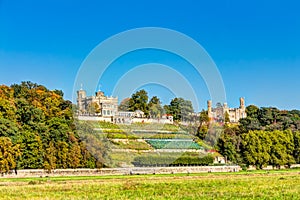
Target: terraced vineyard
[[173, 144], [132, 144]]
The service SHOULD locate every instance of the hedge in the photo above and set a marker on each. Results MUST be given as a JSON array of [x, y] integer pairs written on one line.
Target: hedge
[[156, 160]]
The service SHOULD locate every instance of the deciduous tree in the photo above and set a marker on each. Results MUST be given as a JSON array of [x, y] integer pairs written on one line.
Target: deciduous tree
[[139, 101], [8, 154]]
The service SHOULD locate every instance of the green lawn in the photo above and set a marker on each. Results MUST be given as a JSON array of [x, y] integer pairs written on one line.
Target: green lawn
[[244, 185]]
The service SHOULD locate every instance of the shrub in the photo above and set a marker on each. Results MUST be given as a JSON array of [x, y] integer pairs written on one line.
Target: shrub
[[185, 160], [108, 125]]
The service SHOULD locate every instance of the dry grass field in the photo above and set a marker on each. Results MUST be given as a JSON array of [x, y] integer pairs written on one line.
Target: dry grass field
[[242, 185]]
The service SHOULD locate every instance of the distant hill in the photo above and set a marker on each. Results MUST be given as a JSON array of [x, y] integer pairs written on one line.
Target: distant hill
[[37, 130]]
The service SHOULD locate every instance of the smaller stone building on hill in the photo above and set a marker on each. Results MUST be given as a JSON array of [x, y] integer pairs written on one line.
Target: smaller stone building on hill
[[218, 113]]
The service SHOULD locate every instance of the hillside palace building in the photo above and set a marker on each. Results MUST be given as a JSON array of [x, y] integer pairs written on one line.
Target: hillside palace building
[[107, 106], [104, 108], [218, 114]]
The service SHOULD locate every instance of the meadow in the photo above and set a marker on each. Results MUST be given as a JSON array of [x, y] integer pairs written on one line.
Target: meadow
[[284, 184]]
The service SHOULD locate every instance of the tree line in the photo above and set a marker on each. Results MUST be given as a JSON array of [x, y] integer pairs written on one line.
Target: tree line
[[180, 108], [267, 136], [37, 130]]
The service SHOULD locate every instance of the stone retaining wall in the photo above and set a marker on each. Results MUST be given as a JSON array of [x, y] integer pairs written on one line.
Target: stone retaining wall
[[270, 167], [121, 171]]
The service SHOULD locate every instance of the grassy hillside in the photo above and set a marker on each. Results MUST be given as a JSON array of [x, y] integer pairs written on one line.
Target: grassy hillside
[[163, 144]]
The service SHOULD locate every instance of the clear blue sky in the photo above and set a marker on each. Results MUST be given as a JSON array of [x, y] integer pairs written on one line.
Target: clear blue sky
[[255, 44]]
